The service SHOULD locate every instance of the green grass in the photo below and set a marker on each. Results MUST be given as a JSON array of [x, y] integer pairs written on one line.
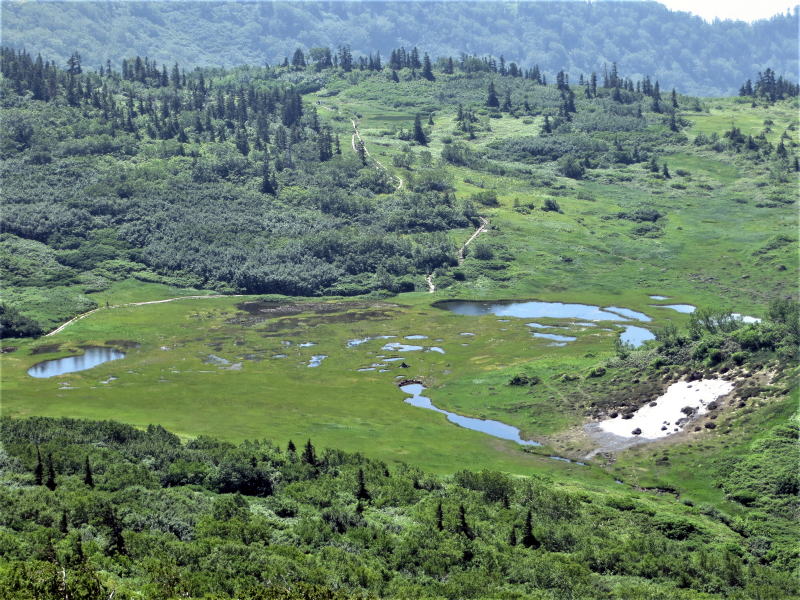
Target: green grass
[[715, 249]]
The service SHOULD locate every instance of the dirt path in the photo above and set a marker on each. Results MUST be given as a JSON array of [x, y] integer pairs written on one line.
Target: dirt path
[[378, 164], [482, 229], [429, 281], [61, 328]]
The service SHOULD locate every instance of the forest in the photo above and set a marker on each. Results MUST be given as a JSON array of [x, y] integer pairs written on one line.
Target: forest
[[683, 51], [229, 180]]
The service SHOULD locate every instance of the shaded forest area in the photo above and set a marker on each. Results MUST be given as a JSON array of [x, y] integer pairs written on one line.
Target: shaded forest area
[[680, 50]]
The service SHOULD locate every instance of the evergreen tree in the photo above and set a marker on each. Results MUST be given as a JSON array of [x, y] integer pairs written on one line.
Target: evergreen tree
[[63, 525], [512, 537], [267, 180], [653, 165], [546, 127], [88, 479], [116, 543], [362, 493], [439, 517], [298, 59], [463, 527], [51, 474], [38, 471], [309, 455], [674, 98], [528, 539], [491, 98], [290, 448], [427, 71], [395, 78], [665, 172], [419, 133]]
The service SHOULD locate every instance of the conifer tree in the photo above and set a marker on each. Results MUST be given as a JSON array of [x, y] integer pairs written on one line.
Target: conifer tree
[[491, 98], [427, 71], [63, 525], [665, 172], [267, 179], [51, 474], [439, 517], [463, 526], [38, 471], [290, 448], [528, 539], [419, 133], [512, 537], [88, 478], [362, 493], [309, 455]]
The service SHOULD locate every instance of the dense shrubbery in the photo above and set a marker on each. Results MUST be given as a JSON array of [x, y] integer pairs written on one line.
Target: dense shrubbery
[[91, 507]]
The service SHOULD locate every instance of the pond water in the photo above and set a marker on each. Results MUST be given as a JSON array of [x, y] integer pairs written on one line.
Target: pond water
[[553, 336], [636, 336], [316, 360], [533, 310], [627, 312], [398, 347], [92, 356], [493, 428], [656, 297], [557, 310], [359, 341], [681, 308], [416, 337]]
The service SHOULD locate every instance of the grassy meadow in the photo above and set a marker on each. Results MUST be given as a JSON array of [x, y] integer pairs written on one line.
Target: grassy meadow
[[727, 237]]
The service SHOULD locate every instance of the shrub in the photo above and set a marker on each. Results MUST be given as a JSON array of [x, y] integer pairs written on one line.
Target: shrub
[[550, 205]]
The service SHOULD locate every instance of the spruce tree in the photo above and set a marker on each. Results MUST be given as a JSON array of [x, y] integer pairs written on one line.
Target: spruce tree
[[309, 455], [512, 537], [439, 517], [463, 526], [362, 493], [51, 474], [267, 179], [665, 172], [290, 448], [63, 525], [419, 133], [38, 471], [528, 539], [88, 479], [491, 98], [427, 71]]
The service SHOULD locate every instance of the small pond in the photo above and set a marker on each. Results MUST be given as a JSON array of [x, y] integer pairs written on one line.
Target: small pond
[[493, 428], [636, 336], [681, 308], [554, 336], [92, 356], [316, 360]]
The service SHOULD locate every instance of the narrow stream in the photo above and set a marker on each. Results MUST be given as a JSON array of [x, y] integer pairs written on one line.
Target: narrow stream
[[487, 426]]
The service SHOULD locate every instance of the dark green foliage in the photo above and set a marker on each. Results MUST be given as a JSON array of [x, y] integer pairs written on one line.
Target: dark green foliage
[[15, 325], [431, 537], [419, 133], [525, 33], [88, 478], [50, 482]]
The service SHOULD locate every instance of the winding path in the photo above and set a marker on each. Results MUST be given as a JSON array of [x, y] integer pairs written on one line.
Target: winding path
[[484, 227]]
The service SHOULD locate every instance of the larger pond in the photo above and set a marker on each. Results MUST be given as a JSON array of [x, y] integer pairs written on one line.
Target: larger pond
[[632, 334], [487, 426], [537, 310], [93, 356]]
